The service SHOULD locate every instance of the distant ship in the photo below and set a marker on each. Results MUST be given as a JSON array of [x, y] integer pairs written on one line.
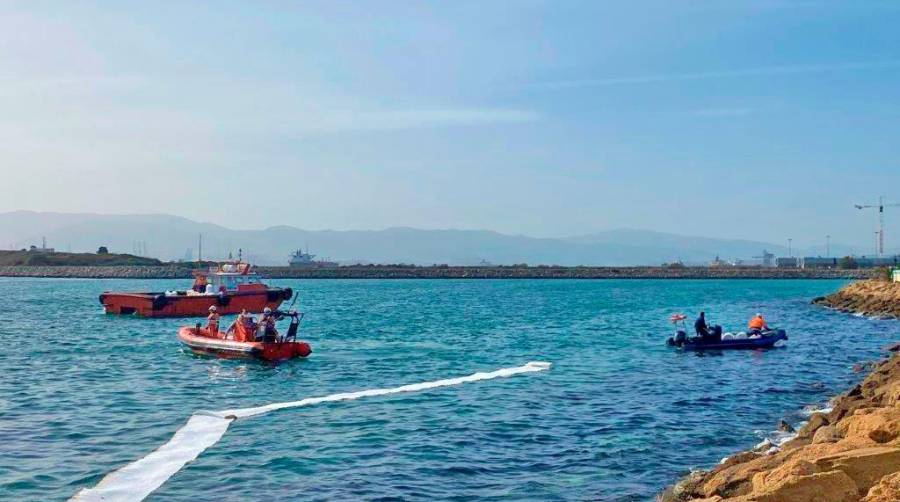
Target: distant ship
[[301, 259]]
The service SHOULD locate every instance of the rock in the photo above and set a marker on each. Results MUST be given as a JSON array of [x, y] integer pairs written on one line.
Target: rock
[[743, 457], [826, 434], [785, 427], [832, 486], [870, 297], [864, 366], [879, 425], [852, 453], [816, 420], [886, 490], [866, 466], [684, 489]]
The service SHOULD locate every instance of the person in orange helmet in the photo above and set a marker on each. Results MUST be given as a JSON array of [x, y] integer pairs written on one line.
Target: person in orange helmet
[[757, 324]]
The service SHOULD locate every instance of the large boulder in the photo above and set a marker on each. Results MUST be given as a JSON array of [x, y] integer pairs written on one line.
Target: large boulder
[[887, 489]]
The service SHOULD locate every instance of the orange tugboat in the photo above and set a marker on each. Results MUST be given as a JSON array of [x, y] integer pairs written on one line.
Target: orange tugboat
[[231, 287]]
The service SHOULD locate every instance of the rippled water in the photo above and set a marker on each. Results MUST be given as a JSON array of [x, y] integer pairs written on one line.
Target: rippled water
[[618, 416]]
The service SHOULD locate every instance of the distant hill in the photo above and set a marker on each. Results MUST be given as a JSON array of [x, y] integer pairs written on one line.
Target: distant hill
[[173, 238], [34, 258]]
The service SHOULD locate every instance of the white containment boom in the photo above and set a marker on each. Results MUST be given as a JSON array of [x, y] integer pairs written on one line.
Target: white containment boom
[[140, 478]]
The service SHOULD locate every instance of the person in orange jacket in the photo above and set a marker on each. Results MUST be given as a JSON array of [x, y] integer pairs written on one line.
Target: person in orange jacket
[[243, 327], [757, 324]]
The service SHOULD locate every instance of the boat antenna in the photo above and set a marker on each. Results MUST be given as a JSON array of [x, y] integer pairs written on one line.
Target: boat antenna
[[296, 295]]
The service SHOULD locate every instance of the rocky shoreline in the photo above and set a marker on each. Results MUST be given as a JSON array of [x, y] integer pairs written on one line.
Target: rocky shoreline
[[874, 298], [443, 272], [847, 453]]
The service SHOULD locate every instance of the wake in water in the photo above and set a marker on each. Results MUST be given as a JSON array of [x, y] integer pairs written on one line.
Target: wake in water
[[138, 479]]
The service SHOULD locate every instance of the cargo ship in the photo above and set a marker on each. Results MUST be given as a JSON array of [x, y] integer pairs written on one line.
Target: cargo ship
[[231, 287], [301, 259]]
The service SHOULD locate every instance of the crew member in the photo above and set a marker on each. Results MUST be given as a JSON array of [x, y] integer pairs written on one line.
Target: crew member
[[242, 327], [267, 325], [212, 320], [757, 324], [200, 283], [700, 325]]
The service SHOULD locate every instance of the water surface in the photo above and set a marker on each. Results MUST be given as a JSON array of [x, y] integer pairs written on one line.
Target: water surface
[[619, 416]]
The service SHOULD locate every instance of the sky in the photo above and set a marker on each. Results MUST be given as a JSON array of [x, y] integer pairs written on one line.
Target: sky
[[766, 120]]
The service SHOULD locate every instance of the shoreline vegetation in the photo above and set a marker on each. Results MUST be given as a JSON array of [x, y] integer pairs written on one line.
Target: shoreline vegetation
[[184, 271], [845, 453]]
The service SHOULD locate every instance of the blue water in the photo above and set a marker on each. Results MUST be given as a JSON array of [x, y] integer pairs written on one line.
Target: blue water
[[618, 416]]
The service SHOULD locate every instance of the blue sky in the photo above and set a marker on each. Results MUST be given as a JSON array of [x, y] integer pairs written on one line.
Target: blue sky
[[763, 119]]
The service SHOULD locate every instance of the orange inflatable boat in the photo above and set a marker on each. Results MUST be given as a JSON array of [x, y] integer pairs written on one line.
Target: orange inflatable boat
[[241, 341]]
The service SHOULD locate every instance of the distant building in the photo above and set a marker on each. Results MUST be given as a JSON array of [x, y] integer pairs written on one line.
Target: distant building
[[767, 259], [818, 262], [886, 261], [895, 274], [858, 262], [787, 262], [718, 262]]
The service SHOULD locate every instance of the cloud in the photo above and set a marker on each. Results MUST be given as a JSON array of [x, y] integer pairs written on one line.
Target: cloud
[[709, 75]]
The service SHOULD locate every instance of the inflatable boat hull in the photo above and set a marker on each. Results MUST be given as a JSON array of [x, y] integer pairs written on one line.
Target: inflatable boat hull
[[766, 341], [200, 342]]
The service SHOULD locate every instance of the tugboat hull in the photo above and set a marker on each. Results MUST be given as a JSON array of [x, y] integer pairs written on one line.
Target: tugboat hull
[[189, 305]]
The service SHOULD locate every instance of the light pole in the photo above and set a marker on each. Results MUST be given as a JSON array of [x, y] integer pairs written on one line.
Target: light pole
[[790, 249], [827, 246]]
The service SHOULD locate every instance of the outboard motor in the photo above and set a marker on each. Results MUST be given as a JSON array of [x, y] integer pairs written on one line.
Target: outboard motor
[[716, 333]]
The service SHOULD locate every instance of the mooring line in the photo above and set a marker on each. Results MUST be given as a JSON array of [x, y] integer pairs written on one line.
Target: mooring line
[[140, 478]]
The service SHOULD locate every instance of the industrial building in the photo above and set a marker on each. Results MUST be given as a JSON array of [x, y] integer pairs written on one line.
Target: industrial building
[[823, 262]]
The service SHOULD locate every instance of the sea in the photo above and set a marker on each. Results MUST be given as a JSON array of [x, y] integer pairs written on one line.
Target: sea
[[617, 417]]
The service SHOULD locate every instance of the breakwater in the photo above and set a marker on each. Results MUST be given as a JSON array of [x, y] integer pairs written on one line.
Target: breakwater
[[444, 272], [871, 298], [850, 452]]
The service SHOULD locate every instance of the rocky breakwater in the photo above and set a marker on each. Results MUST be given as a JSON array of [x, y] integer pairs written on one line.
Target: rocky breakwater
[[851, 453], [872, 298], [97, 272]]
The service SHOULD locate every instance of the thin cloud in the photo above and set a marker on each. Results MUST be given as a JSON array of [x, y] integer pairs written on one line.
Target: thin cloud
[[709, 75]]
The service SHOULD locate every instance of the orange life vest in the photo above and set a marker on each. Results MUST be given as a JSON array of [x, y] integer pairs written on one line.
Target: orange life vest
[[213, 325], [243, 330], [757, 323]]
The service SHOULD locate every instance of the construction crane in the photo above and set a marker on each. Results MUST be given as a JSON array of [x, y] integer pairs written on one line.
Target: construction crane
[[880, 206]]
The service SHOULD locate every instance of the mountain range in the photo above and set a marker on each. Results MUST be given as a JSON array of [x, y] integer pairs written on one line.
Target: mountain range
[[175, 238]]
